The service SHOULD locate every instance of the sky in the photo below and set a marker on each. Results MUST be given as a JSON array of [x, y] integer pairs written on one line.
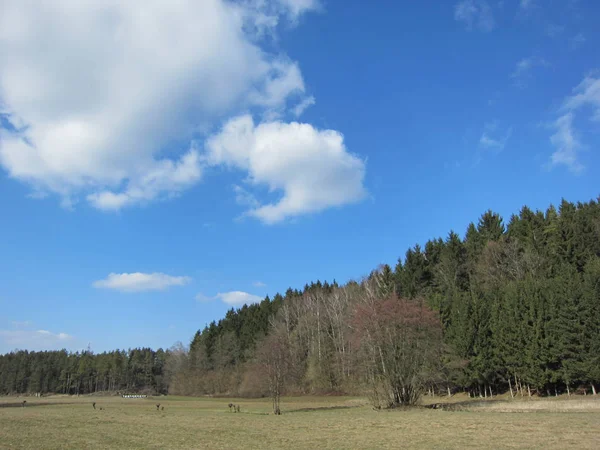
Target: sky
[[163, 162]]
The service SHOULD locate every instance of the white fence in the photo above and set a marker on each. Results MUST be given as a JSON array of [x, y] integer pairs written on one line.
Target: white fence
[[134, 396]]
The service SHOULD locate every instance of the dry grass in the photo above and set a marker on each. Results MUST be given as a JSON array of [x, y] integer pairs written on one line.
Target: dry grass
[[317, 423]]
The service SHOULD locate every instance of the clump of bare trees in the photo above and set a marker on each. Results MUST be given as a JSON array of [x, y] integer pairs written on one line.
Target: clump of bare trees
[[401, 344], [274, 360], [363, 334], [353, 338]]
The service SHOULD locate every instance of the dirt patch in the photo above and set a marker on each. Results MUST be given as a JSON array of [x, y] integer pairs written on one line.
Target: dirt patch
[[32, 404]]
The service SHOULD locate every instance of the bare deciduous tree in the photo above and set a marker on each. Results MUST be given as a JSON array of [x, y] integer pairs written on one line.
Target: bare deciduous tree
[[402, 343], [273, 357]]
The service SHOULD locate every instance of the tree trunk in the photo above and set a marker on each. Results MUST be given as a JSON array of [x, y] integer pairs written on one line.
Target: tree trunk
[[568, 390], [510, 387], [593, 389], [529, 390], [449, 393]]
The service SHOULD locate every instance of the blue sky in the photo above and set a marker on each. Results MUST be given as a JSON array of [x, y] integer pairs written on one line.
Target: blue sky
[[160, 164]]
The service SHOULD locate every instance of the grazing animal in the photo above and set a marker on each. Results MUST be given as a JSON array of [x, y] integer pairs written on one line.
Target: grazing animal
[[231, 405], [24, 401], [158, 406], [162, 409], [94, 405]]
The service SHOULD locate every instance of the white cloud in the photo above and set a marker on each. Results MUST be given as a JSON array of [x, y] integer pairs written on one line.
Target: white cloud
[[311, 168], [99, 91], [245, 198], [259, 284], [566, 139], [238, 298], [522, 73], [33, 340], [138, 282], [232, 298], [204, 298], [303, 105], [296, 7], [567, 144], [492, 139], [475, 14], [587, 93], [526, 4]]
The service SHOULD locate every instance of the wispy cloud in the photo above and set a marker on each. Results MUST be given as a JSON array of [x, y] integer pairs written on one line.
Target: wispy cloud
[[139, 282], [577, 41], [259, 284], [567, 144], [25, 339], [232, 298], [566, 139], [303, 105], [587, 93], [526, 4], [475, 14], [245, 198], [522, 73], [492, 138]]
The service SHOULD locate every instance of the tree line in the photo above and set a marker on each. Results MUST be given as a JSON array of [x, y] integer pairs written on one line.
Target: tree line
[[77, 373], [510, 307]]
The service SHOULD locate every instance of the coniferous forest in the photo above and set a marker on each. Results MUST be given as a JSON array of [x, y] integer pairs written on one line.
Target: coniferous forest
[[513, 306]]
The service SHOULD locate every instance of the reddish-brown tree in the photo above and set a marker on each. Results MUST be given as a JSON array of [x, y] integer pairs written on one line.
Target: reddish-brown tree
[[401, 341]]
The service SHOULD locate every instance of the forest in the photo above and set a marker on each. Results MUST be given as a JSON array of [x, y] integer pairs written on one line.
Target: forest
[[510, 307]]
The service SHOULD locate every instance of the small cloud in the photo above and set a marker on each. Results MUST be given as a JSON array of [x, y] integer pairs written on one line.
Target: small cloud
[[586, 94], [567, 144], [526, 8], [475, 14], [522, 73], [303, 105], [526, 4], [33, 340], [577, 41], [311, 169], [204, 298], [259, 284], [238, 298], [566, 139], [245, 198], [37, 195], [139, 282], [232, 298], [490, 138]]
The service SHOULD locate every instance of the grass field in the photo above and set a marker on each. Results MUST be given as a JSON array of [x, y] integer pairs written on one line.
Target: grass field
[[308, 422]]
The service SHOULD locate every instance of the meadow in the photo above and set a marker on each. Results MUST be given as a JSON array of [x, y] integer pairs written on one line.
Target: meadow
[[62, 422]]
